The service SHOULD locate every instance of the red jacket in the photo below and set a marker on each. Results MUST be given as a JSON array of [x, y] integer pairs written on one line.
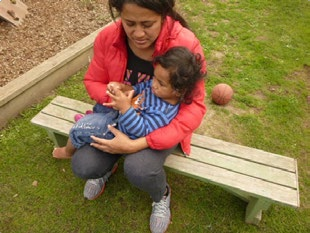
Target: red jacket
[[109, 64]]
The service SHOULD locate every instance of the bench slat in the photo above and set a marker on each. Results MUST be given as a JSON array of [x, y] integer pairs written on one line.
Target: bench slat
[[248, 153], [226, 178], [60, 112], [239, 165], [75, 105], [52, 123]]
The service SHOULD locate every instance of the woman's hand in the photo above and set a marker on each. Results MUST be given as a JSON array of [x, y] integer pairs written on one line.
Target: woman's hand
[[120, 144]]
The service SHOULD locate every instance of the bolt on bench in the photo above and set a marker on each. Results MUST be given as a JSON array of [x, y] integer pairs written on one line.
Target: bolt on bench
[[260, 178]]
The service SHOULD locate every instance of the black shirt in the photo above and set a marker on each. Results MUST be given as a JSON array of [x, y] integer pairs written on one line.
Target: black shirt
[[138, 70]]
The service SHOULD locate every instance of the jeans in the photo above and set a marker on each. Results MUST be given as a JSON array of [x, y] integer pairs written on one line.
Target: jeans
[[95, 124]]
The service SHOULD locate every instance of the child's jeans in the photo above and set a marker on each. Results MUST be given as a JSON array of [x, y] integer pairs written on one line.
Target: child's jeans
[[95, 124]]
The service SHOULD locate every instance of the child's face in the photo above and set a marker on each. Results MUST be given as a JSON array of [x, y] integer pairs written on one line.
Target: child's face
[[161, 86]]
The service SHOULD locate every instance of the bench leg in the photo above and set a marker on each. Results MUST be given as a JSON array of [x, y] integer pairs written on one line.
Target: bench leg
[[58, 139], [254, 210]]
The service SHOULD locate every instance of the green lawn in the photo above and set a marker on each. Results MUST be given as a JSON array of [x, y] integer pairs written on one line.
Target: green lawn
[[261, 48]]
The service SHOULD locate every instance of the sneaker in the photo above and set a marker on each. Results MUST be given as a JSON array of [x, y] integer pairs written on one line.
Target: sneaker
[[161, 216], [95, 187], [78, 116]]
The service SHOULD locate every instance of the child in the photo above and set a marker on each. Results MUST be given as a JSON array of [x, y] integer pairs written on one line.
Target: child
[[155, 104]]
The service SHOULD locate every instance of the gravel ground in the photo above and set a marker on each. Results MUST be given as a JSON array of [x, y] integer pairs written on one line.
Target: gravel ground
[[50, 26]]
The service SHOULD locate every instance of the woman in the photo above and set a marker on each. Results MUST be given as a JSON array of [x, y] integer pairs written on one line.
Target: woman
[[123, 52]]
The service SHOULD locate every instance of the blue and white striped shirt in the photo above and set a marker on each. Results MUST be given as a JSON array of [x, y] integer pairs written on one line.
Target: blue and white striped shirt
[[152, 113]]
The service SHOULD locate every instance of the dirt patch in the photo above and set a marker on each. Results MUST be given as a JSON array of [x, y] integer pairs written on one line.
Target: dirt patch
[[216, 122], [50, 26]]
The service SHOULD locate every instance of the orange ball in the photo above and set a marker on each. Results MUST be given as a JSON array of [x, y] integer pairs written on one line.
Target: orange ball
[[222, 93]]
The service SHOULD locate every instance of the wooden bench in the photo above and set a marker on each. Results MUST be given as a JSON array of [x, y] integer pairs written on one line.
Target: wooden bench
[[258, 177]]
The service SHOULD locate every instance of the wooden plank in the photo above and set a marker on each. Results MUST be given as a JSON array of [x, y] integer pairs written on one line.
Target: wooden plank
[[60, 112], [239, 165], [251, 154], [58, 116], [13, 12], [297, 182], [222, 177], [75, 105], [52, 123]]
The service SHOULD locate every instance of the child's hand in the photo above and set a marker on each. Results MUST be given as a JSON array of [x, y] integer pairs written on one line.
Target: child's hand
[[114, 85], [120, 100], [117, 85]]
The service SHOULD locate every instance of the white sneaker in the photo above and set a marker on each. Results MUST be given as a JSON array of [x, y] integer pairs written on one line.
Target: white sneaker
[[161, 215], [95, 187]]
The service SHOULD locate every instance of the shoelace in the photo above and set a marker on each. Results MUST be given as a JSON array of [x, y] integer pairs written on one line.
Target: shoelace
[[96, 181], [160, 208]]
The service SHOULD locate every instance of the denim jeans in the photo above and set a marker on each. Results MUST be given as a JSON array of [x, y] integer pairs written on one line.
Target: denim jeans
[[95, 124]]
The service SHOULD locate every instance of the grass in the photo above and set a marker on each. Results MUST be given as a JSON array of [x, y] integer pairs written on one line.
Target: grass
[[260, 48]]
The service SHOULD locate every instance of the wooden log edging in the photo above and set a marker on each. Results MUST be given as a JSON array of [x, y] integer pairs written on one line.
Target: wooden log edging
[[38, 82]]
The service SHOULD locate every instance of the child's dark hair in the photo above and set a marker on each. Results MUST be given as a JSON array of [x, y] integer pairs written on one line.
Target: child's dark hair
[[162, 7], [184, 68]]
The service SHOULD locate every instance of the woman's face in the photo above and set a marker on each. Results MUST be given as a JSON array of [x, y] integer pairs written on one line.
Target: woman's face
[[142, 26]]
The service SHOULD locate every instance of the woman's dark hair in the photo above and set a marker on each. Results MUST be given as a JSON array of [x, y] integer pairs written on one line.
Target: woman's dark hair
[[184, 68], [162, 7]]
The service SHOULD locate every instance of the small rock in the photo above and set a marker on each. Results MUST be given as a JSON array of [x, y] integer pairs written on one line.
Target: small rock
[[90, 7], [35, 183]]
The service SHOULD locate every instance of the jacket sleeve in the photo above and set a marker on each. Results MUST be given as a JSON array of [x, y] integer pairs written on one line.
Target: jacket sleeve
[[97, 77], [188, 118]]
